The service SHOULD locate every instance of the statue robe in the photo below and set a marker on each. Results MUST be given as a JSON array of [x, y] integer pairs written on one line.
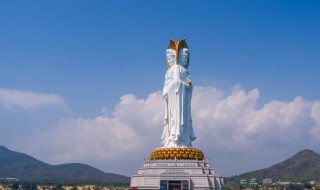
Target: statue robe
[[178, 131]]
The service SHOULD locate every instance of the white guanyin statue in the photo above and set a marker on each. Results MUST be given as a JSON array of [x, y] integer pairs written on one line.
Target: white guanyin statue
[[177, 92]]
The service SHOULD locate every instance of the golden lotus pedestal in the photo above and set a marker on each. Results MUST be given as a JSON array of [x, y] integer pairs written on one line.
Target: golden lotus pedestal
[[177, 153], [176, 169]]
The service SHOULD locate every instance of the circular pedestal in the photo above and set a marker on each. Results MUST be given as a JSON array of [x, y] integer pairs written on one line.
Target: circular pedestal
[[177, 153]]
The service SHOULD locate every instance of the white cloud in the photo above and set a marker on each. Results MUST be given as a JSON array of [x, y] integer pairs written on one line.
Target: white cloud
[[315, 114], [126, 133], [10, 99], [235, 124], [229, 123]]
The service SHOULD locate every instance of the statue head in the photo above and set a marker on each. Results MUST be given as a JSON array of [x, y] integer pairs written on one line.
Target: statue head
[[171, 53], [183, 57], [171, 57], [178, 53]]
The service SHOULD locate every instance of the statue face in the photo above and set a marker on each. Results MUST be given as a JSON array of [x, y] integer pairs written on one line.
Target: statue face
[[183, 57], [171, 57]]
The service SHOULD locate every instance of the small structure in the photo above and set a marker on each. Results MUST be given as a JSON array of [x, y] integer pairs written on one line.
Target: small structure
[[243, 182], [253, 182], [267, 181], [9, 179]]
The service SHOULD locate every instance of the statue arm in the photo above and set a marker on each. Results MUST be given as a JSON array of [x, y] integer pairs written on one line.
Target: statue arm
[[188, 80], [165, 90], [166, 86]]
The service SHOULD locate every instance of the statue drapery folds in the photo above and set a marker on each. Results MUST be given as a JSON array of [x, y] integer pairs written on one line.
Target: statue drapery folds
[[177, 92]]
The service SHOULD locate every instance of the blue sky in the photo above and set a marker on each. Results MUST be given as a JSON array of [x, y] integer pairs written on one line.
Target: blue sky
[[65, 66]]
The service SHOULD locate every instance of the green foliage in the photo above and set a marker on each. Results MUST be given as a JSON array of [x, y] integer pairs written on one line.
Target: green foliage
[[98, 187], [307, 186], [302, 167], [230, 185], [28, 168], [15, 186], [58, 187], [295, 187]]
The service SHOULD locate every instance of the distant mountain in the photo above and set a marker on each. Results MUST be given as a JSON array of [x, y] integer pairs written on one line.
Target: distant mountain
[[24, 167], [304, 165]]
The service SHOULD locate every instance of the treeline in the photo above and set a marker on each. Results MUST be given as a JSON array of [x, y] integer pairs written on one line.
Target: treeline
[[25, 185], [291, 186]]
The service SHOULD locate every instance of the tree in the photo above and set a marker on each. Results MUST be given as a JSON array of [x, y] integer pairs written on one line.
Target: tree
[[25, 185], [33, 186], [295, 187], [58, 187], [15, 186], [307, 186]]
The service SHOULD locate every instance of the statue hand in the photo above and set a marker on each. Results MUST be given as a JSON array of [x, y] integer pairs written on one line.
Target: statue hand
[[188, 81]]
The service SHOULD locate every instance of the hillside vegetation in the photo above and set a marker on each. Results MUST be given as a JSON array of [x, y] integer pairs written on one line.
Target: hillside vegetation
[[24, 167], [303, 166]]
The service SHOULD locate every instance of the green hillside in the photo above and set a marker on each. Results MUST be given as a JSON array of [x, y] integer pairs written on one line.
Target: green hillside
[[303, 166], [24, 167]]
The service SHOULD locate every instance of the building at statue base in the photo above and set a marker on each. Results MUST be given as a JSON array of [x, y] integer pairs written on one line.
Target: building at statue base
[[176, 175]]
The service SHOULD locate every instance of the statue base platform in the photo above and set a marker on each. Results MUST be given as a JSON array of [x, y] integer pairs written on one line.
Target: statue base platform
[[176, 175]]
